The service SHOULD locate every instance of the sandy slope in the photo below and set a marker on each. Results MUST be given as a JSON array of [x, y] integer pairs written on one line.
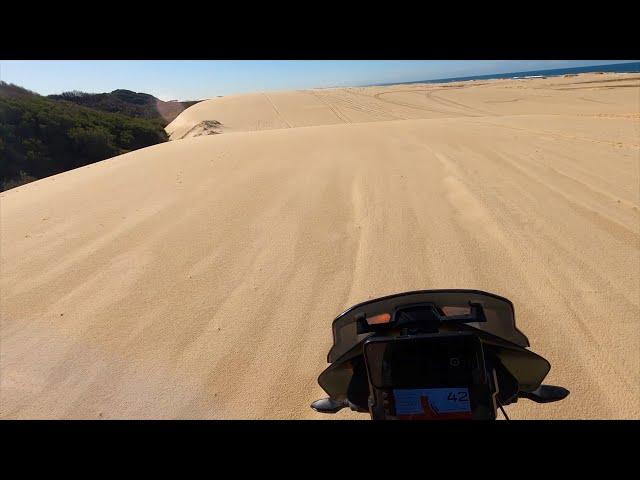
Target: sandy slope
[[615, 95], [199, 278]]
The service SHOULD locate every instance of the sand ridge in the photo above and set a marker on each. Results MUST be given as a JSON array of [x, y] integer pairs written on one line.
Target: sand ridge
[[609, 96], [199, 278]]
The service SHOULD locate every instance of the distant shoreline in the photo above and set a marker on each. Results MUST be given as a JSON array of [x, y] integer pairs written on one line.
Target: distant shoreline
[[631, 67]]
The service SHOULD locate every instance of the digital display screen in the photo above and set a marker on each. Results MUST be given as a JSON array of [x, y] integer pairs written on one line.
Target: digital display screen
[[430, 377], [435, 401]]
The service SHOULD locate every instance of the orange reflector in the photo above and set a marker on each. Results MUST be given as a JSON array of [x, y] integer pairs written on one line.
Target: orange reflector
[[378, 319]]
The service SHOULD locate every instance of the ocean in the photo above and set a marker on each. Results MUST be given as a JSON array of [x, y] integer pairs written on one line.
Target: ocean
[[632, 67]]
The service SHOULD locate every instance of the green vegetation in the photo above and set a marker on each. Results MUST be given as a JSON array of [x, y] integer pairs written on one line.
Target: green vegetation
[[139, 105], [42, 136]]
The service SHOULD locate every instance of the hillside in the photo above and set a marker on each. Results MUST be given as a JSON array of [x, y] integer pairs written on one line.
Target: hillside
[[126, 102], [42, 136]]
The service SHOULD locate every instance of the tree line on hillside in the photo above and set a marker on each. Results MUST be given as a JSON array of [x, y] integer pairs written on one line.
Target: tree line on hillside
[[41, 136], [130, 103]]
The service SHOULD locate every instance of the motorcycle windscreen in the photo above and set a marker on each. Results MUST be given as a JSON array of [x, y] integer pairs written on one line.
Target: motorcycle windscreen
[[498, 311]]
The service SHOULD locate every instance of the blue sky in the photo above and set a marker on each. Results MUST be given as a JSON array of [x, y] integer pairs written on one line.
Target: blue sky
[[191, 80]]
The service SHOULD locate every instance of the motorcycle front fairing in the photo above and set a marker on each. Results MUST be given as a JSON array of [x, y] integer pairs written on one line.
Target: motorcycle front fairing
[[499, 313], [521, 369]]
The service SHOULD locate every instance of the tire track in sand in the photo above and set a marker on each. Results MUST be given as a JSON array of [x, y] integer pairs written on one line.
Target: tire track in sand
[[335, 111], [379, 96], [277, 111]]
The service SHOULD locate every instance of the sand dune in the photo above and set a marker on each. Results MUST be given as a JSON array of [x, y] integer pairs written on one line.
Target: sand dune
[[585, 95], [199, 278]]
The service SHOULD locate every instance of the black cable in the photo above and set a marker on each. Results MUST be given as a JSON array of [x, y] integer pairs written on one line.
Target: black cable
[[503, 412]]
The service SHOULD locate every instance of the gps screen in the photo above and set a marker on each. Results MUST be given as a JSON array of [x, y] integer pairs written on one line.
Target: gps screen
[[418, 363]]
